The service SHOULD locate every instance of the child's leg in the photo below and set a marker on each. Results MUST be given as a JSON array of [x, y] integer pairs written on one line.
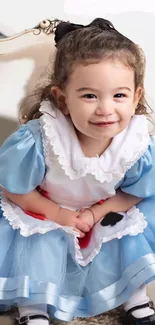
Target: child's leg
[[139, 298], [39, 311]]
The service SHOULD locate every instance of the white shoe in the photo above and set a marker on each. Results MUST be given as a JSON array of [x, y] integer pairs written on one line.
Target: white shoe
[[26, 320]]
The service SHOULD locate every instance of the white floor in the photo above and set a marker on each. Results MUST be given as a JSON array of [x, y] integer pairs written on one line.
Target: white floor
[[151, 291]]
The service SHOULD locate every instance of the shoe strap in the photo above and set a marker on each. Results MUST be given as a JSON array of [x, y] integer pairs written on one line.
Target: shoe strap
[[148, 304], [24, 320]]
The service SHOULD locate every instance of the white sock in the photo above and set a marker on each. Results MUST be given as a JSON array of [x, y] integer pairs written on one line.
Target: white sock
[[139, 298], [40, 309]]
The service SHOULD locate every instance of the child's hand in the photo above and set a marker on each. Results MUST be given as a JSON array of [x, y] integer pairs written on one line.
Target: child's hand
[[86, 217], [70, 218]]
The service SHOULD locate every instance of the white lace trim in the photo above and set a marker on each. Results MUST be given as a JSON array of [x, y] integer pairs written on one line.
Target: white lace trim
[[29, 226], [134, 229], [71, 158]]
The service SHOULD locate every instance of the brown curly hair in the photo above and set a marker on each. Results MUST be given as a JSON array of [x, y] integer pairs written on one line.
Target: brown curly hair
[[86, 45]]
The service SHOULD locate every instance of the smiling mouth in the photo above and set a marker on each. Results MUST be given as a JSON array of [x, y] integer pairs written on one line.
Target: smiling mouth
[[104, 123]]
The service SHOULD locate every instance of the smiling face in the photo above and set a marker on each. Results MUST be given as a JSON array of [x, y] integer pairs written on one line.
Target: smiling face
[[100, 99]]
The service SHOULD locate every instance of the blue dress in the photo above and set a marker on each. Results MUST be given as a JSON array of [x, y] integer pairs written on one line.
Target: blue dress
[[38, 267]]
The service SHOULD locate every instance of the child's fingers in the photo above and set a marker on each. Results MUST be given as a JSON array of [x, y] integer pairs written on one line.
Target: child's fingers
[[82, 210], [81, 233], [81, 226]]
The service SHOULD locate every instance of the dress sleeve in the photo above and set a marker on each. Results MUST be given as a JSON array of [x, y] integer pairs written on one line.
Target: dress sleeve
[[22, 166], [140, 178]]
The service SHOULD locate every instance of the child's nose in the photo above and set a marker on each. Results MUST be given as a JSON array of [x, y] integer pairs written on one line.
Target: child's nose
[[105, 108]]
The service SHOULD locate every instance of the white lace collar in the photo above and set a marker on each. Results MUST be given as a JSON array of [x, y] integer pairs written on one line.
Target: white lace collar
[[125, 149]]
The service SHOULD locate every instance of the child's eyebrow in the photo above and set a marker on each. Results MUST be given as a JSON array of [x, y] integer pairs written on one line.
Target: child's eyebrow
[[85, 89], [93, 89], [119, 88]]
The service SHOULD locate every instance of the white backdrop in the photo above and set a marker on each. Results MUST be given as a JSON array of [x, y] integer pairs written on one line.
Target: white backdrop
[[17, 15]]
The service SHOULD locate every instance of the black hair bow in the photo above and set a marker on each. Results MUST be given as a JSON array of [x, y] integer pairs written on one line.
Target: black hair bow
[[65, 27]]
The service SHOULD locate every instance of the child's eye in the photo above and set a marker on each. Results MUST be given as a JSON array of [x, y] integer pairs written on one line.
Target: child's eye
[[89, 96], [119, 95]]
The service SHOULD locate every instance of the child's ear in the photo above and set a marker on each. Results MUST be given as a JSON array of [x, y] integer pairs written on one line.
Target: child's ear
[[137, 97], [60, 98]]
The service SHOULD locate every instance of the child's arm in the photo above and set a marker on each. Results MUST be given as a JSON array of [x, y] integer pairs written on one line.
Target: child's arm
[[121, 202], [38, 204], [33, 202]]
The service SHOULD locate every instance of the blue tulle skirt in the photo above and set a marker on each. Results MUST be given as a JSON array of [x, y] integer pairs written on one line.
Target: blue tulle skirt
[[40, 269]]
